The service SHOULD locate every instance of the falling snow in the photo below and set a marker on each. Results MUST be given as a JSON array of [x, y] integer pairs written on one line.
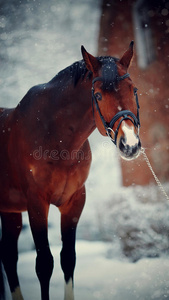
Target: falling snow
[[37, 41]]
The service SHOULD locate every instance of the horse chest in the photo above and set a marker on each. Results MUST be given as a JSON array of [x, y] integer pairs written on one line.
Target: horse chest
[[75, 178], [60, 182]]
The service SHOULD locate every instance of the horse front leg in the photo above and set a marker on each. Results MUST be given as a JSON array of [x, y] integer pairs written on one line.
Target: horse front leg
[[38, 218], [11, 228], [70, 214]]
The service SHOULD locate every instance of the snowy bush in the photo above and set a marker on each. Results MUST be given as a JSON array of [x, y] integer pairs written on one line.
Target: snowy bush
[[139, 218]]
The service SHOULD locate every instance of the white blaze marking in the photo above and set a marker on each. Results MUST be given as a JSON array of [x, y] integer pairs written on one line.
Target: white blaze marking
[[130, 136], [16, 295], [69, 295]]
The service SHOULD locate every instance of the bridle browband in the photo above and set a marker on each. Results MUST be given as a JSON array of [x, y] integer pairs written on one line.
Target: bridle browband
[[124, 114]]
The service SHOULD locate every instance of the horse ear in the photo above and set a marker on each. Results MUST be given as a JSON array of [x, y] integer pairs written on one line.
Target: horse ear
[[127, 56], [92, 64]]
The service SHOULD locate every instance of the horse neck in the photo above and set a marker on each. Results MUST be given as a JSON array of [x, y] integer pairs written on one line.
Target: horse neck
[[77, 115], [85, 118]]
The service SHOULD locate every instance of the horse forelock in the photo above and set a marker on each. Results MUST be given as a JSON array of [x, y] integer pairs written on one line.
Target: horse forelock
[[109, 73]]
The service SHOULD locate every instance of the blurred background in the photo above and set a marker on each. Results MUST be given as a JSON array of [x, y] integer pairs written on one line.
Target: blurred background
[[39, 38]]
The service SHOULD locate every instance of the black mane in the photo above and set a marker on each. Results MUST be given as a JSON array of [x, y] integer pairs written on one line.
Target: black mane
[[78, 71], [74, 73]]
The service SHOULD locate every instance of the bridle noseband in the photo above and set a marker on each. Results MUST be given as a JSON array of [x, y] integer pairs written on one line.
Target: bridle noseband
[[124, 114]]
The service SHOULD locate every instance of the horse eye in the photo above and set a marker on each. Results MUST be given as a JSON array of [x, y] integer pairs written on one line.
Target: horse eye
[[98, 96]]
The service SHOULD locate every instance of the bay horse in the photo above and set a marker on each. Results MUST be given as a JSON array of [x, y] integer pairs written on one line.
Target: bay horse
[[56, 119]]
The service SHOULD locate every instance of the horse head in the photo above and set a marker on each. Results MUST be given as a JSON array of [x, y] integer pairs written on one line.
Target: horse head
[[115, 101]]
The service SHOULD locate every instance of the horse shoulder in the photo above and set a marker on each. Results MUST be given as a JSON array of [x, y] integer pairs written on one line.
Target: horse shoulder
[[12, 198]]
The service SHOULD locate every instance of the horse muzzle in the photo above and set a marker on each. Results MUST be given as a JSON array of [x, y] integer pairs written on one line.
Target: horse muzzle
[[127, 150]]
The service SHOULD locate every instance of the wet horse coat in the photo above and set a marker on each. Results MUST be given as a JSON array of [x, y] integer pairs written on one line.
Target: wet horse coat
[[45, 158]]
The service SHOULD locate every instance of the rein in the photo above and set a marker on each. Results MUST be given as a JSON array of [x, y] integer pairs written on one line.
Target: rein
[[124, 114], [153, 173]]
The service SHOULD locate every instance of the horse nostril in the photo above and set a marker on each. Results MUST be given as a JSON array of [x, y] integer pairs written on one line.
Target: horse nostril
[[122, 144], [134, 149]]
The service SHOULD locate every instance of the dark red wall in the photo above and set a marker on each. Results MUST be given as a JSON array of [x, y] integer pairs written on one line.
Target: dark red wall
[[116, 32]]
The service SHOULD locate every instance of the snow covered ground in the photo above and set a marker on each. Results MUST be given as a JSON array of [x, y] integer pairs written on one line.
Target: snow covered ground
[[98, 277]]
